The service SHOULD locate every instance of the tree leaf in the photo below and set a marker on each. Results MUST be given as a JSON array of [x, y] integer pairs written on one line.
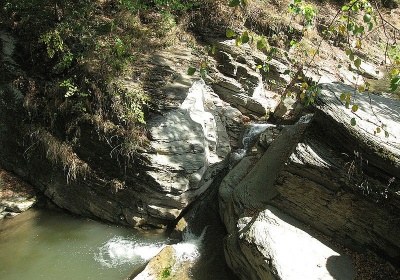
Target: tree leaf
[[230, 33], [234, 3], [191, 71], [394, 72], [386, 134], [394, 83], [370, 26], [245, 37], [367, 18], [357, 63], [342, 96], [358, 44], [345, 8], [261, 44], [354, 108], [203, 73], [342, 29], [353, 122]]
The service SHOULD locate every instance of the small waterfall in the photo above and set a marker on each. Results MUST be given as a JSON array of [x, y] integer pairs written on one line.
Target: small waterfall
[[120, 250], [248, 140], [189, 248]]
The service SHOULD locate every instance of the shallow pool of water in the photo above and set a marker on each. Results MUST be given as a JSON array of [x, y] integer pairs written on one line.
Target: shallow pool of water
[[45, 244]]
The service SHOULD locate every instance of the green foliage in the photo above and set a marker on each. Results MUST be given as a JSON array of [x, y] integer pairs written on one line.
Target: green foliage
[[394, 75], [53, 42], [127, 104], [307, 10], [394, 82], [70, 87], [172, 5], [166, 273], [55, 45], [236, 3], [191, 71]]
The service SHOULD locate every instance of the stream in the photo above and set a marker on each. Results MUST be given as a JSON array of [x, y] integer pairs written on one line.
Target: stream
[[47, 244]]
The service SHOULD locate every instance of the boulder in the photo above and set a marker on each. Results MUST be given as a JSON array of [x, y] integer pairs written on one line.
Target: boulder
[[279, 247], [16, 196], [342, 180], [165, 265], [188, 147]]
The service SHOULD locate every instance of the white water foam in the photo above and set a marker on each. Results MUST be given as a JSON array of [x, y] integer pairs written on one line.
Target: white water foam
[[252, 132], [249, 138], [119, 251], [189, 248]]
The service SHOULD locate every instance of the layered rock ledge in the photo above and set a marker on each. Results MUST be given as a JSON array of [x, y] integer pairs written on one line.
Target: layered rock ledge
[[341, 180]]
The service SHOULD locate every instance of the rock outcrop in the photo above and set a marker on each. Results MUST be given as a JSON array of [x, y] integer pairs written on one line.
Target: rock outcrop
[[189, 146], [16, 196], [341, 180], [190, 137], [236, 81], [165, 266]]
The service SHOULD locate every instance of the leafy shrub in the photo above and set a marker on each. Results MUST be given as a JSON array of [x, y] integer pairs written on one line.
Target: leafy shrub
[[172, 5]]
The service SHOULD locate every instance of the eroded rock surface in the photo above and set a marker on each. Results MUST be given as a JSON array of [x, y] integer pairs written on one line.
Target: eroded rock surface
[[190, 133], [338, 178]]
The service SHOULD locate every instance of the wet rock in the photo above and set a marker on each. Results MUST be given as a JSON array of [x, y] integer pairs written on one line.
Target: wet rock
[[165, 266], [16, 196], [268, 136]]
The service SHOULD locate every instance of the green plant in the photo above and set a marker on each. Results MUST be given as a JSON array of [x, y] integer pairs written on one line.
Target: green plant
[[53, 41], [127, 104], [307, 10], [166, 273], [71, 89], [172, 5]]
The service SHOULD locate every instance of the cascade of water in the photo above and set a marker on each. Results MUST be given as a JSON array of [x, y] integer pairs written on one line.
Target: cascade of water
[[120, 250], [189, 248], [248, 140]]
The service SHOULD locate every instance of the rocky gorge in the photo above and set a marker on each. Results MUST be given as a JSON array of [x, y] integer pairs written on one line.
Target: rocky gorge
[[310, 189]]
